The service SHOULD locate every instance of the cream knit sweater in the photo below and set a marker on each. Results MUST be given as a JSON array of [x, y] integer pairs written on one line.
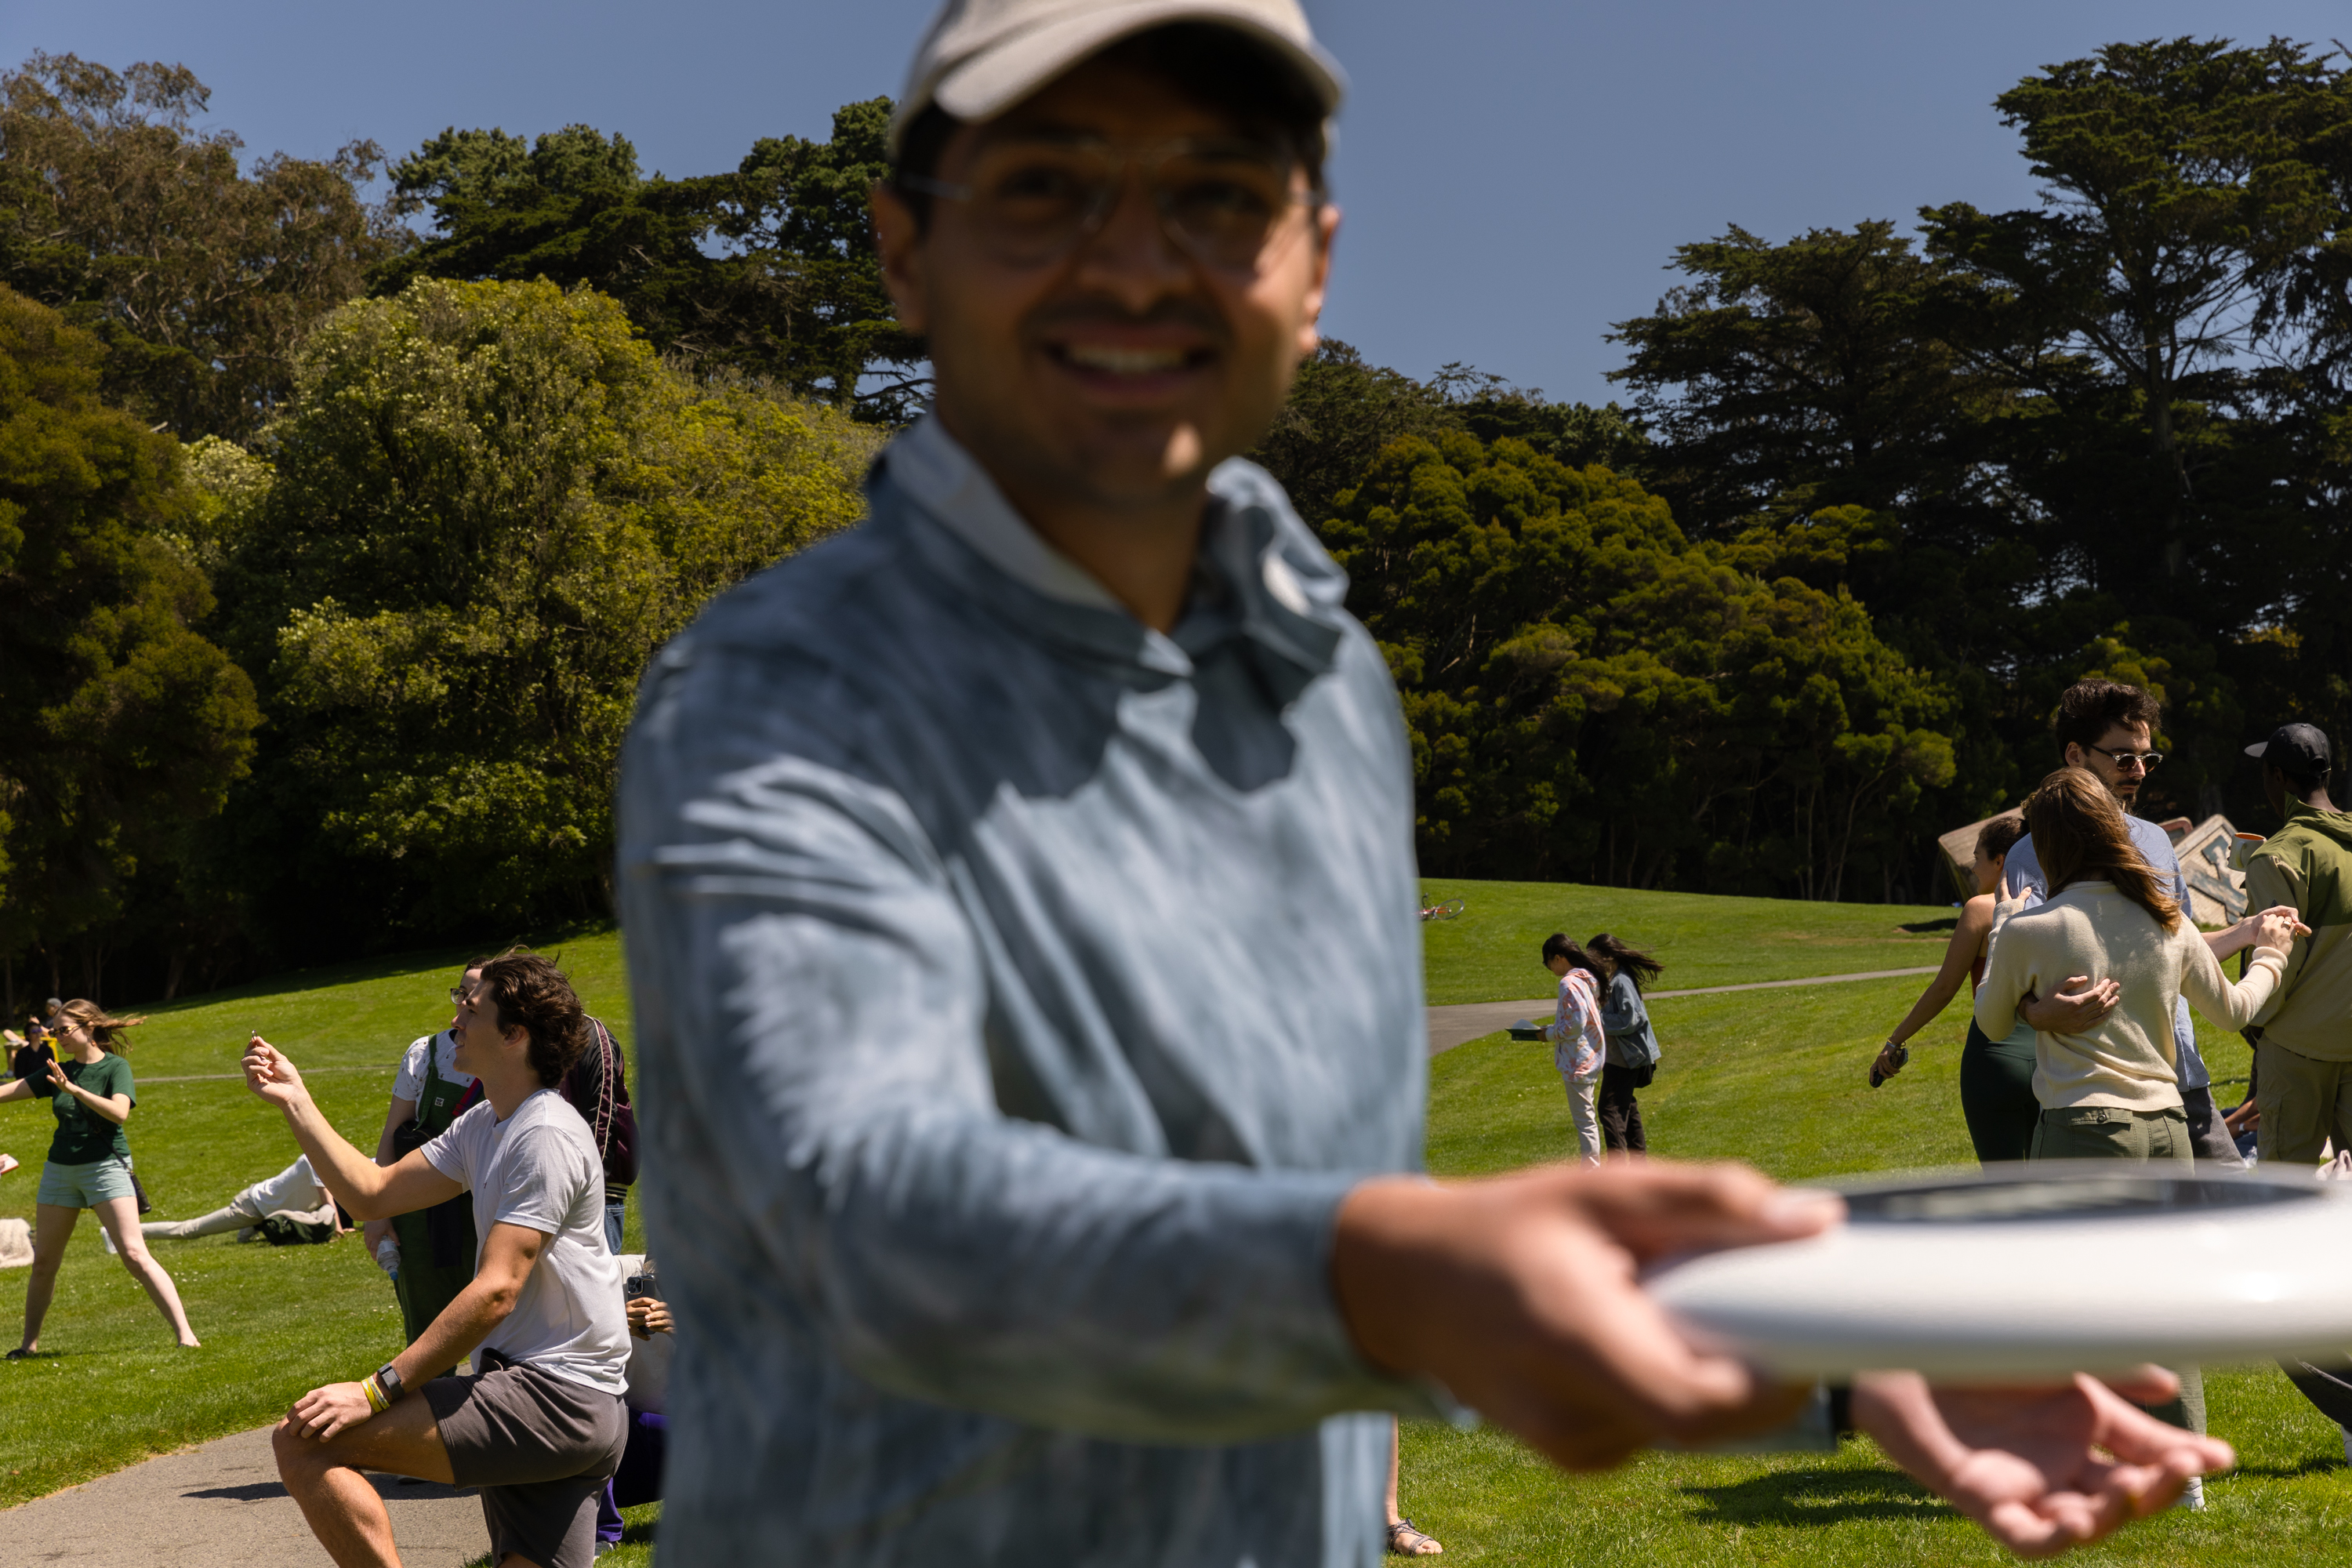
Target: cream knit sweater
[[2126, 1061]]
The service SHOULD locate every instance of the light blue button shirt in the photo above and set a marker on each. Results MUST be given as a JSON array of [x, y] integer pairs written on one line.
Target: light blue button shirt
[[1019, 990], [2022, 876]]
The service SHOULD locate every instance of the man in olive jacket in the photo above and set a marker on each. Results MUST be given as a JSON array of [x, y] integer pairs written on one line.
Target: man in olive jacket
[[2303, 1036], [2303, 1054]]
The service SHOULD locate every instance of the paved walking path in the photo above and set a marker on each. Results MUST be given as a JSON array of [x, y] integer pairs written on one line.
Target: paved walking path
[[220, 1505], [1457, 1026]]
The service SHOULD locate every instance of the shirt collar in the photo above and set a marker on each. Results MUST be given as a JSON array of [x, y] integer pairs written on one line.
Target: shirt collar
[[942, 477], [1259, 576]]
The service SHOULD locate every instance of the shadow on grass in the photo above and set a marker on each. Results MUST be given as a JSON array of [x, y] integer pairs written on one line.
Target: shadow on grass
[[2318, 1466], [1814, 1497]]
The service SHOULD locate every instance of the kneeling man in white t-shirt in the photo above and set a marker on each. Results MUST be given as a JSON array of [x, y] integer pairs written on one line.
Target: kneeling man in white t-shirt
[[540, 1424]]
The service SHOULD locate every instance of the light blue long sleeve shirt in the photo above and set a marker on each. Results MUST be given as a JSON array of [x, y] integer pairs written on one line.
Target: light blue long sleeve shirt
[[1019, 990], [2022, 876]]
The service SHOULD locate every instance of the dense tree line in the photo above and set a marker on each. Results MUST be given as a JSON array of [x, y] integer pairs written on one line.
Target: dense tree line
[[333, 532], [326, 577], [2104, 434]]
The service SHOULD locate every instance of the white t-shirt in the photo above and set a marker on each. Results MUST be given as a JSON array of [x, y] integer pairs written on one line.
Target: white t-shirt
[[538, 1169], [409, 1082], [294, 1190]]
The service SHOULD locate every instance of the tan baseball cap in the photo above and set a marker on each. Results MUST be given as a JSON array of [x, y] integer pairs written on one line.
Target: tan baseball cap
[[979, 58]]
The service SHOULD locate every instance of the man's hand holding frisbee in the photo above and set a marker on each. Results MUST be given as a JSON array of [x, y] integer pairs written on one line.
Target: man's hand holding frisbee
[[1521, 1295]]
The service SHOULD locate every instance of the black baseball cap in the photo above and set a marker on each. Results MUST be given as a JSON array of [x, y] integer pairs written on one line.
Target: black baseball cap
[[2299, 750]]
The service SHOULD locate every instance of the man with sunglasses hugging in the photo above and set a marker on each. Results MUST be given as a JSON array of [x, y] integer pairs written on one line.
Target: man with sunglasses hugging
[[1021, 902]]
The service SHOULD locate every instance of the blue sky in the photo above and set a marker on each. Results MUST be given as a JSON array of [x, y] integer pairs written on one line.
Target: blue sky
[[1515, 174]]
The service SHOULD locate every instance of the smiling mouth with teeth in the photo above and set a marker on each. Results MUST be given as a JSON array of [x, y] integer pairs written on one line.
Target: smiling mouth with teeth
[[1125, 361]]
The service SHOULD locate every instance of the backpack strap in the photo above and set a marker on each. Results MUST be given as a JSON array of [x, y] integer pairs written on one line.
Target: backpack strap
[[605, 1098]]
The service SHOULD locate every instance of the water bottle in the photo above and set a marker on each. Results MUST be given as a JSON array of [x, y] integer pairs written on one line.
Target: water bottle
[[387, 1256]]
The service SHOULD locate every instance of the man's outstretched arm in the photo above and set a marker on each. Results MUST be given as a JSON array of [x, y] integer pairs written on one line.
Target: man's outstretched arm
[[1519, 1294], [369, 1191]]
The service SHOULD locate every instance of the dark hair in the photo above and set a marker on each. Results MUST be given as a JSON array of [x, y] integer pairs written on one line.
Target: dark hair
[[1627, 961], [2089, 708], [1557, 945], [1212, 66], [1997, 837], [2080, 836], [533, 996]]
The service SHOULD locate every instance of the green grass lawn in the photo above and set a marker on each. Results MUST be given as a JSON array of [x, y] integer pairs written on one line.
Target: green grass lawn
[[1775, 1077], [111, 1387], [1487, 953]]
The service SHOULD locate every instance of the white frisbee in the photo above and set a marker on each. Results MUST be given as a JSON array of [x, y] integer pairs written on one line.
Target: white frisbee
[[2025, 1270]]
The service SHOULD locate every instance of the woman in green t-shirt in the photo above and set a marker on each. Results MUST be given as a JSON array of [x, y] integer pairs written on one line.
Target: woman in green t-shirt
[[90, 1163]]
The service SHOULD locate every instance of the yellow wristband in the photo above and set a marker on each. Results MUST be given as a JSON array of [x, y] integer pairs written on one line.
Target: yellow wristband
[[376, 1401]]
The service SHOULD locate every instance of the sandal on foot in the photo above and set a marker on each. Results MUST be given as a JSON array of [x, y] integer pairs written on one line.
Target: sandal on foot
[[1405, 1540]]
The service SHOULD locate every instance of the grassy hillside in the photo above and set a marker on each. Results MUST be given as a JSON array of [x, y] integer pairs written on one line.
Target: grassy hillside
[[1487, 953], [1775, 1077], [275, 1322]]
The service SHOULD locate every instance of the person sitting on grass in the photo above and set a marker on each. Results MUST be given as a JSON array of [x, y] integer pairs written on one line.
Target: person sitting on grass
[[90, 1091], [653, 1341], [540, 1424], [293, 1194]]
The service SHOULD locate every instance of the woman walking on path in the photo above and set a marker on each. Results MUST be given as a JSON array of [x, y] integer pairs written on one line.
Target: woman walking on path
[[1579, 1045], [1632, 1057], [1996, 1076], [91, 1093]]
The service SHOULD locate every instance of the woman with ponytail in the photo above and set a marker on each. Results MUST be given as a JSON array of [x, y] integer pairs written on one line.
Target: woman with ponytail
[[1633, 1043], [2113, 1092], [90, 1091]]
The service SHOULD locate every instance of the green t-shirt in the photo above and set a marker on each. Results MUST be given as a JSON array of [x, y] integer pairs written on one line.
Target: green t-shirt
[[84, 1137]]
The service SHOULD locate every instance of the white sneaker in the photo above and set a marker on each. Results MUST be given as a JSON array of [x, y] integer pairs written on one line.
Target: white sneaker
[[8, 1163], [2194, 1498]]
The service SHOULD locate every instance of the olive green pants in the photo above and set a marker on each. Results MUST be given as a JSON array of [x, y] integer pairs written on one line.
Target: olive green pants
[[2104, 1132], [2305, 1103]]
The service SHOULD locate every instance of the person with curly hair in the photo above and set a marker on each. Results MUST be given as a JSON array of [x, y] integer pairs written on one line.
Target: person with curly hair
[[90, 1091], [540, 1427]]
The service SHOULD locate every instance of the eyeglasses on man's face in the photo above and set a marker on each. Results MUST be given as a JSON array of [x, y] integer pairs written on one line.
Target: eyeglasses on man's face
[[2132, 762], [1032, 199]]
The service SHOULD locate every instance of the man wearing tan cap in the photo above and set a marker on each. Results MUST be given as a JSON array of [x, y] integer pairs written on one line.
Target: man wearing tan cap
[[1021, 897]]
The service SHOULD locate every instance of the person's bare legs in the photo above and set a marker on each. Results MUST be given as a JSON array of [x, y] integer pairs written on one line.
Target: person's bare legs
[[337, 1501], [120, 1218], [53, 1227], [1418, 1544]]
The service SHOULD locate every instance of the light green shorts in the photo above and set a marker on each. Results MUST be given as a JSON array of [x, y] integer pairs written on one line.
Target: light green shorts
[[86, 1186]]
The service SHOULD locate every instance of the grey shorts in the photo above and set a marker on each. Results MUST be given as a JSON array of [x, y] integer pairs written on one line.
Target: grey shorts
[[540, 1446], [85, 1187]]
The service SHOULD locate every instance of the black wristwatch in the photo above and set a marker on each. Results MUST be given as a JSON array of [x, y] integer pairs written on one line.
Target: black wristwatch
[[389, 1381]]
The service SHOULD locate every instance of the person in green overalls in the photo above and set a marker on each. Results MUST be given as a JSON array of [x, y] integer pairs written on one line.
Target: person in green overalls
[[433, 1250]]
